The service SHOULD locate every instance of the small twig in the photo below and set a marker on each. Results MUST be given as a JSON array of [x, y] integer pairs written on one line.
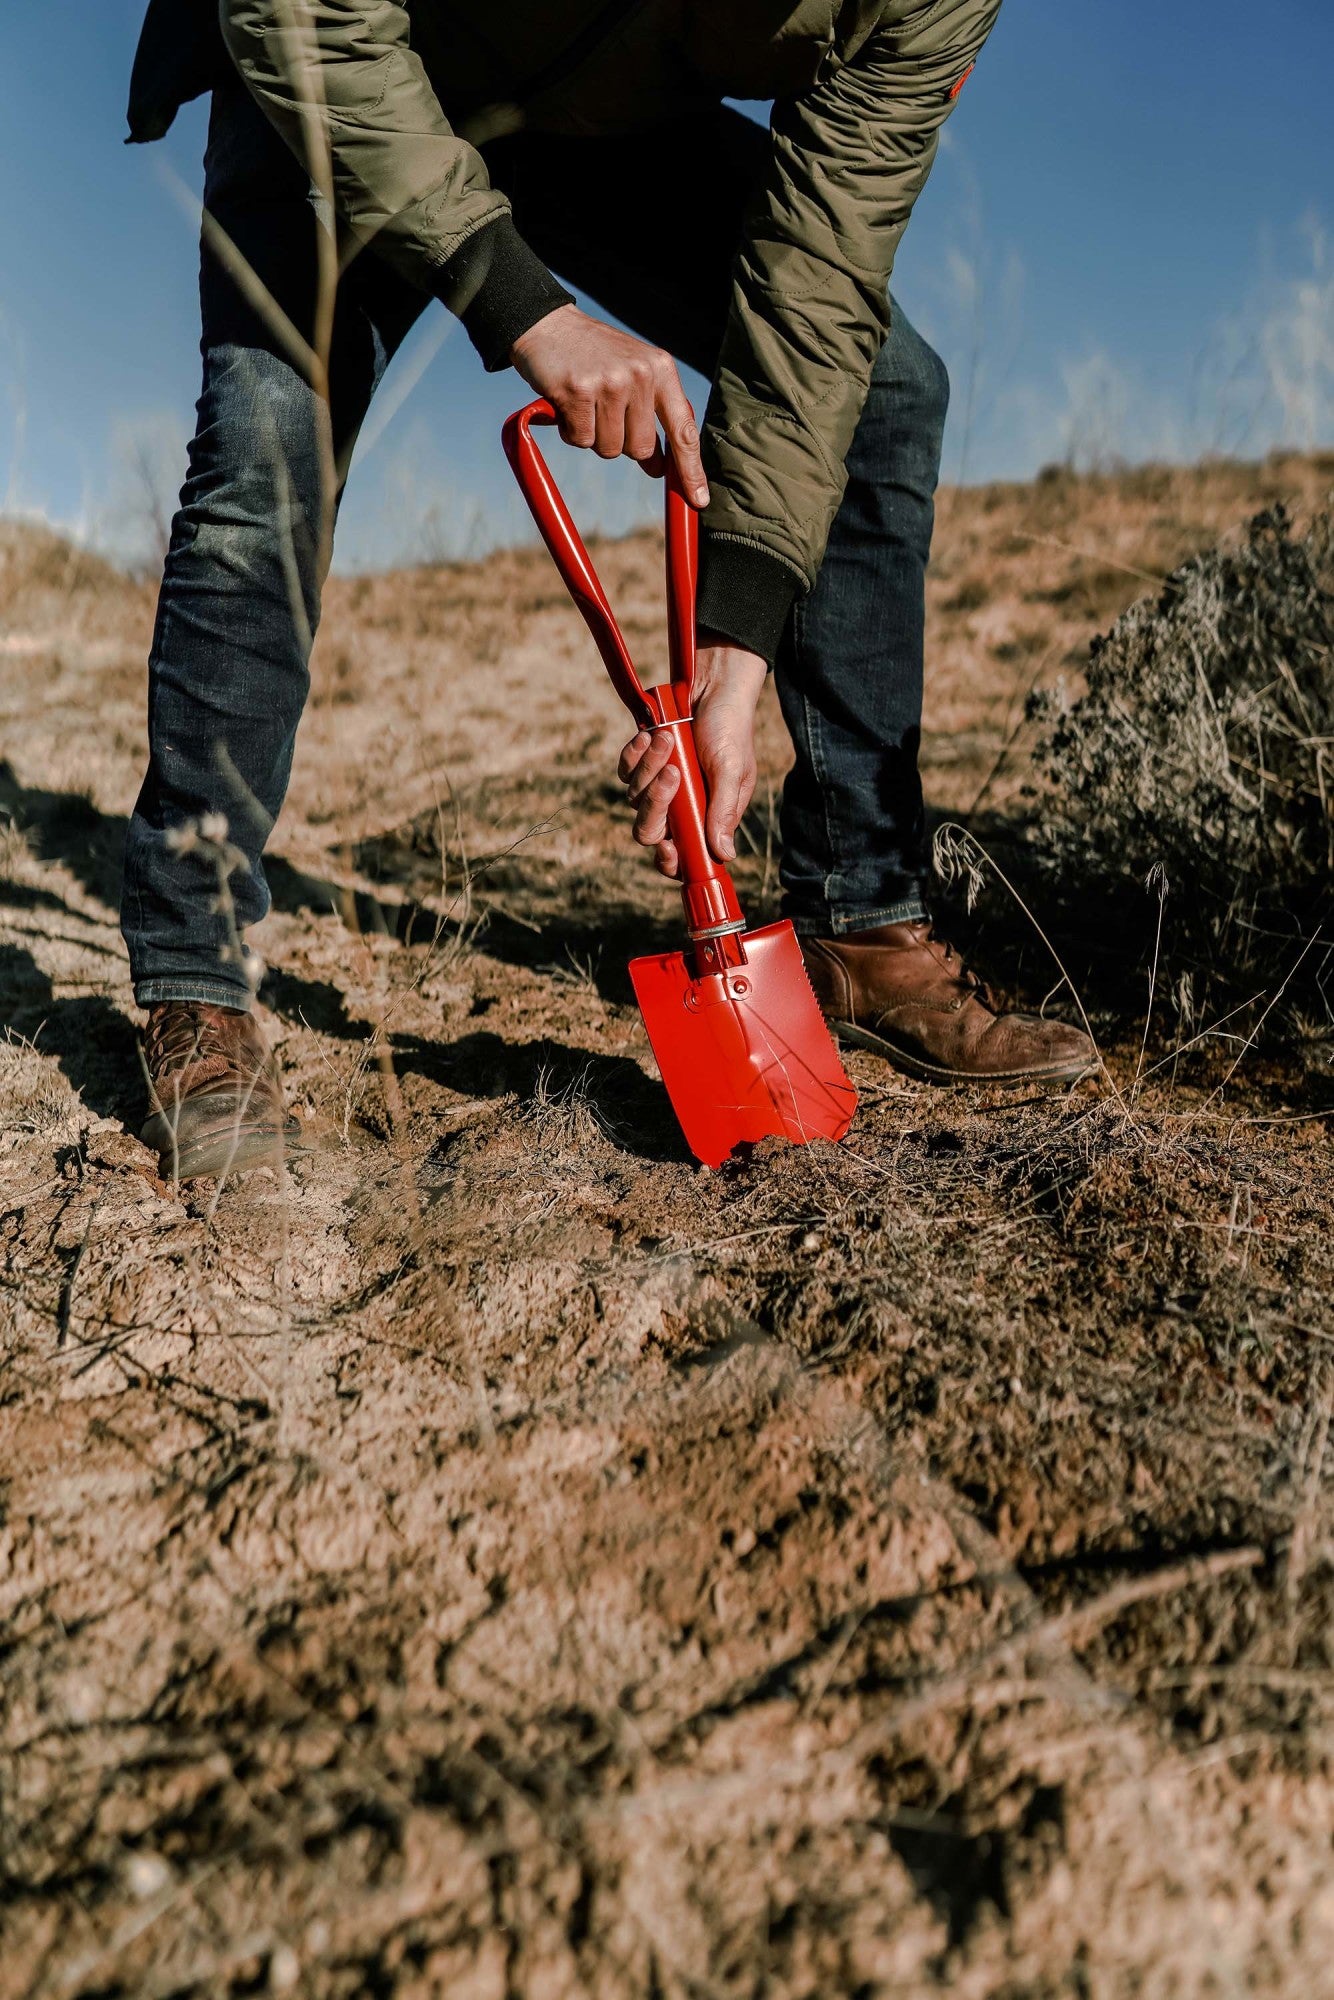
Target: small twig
[[1311, 1462], [1250, 1040], [66, 1302], [953, 827], [1161, 873], [1067, 1628]]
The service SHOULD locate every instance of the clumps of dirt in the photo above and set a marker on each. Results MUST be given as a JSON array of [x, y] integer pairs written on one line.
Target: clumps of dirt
[[1201, 759]]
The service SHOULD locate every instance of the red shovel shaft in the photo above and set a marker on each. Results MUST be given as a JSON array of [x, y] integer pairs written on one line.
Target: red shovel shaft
[[713, 914], [711, 908]]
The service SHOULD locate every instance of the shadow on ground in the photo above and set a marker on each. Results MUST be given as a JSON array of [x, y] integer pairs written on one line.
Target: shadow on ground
[[630, 1109], [1025, 937], [93, 1042]]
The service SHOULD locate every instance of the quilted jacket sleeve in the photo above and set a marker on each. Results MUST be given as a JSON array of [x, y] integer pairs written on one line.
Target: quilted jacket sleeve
[[343, 73], [810, 307]]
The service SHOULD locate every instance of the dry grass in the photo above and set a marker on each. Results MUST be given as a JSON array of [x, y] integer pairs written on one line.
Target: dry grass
[[500, 1559], [37, 1100], [1203, 749]]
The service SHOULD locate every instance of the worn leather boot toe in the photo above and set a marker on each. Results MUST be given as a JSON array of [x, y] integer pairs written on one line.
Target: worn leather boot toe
[[215, 1100], [903, 992]]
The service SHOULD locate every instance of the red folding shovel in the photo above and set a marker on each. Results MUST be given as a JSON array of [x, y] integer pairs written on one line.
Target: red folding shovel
[[741, 1043]]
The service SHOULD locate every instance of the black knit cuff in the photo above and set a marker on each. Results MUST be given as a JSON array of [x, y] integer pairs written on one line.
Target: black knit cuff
[[745, 594], [499, 288]]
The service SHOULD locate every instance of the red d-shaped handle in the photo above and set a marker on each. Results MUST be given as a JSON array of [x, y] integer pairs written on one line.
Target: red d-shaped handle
[[572, 559]]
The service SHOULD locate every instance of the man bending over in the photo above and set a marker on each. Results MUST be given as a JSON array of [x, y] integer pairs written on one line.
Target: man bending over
[[367, 157]]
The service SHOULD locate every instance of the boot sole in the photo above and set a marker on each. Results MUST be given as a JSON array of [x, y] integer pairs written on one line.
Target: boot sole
[[225, 1150], [926, 1072]]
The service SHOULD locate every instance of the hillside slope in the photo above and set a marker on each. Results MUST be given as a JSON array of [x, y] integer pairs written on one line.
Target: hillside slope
[[498, 1558]]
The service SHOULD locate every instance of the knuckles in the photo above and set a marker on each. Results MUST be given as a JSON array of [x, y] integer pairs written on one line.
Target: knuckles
[[625, 386]]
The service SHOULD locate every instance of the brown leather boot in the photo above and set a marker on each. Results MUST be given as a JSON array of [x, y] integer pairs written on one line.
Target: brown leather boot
[[904, 992], [216, 1102]]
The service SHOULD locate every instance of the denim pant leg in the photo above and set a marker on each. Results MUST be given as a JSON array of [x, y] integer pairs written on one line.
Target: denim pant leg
[[240, 596], [849, 674]]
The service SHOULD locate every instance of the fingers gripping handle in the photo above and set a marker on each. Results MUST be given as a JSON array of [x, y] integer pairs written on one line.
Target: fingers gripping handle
[[570, 556]]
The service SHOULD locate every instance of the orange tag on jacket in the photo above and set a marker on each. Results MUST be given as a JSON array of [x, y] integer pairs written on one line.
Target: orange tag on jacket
[[963, 80]]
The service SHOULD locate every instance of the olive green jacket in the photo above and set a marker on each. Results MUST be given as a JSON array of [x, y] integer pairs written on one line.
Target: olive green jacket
[[861, 89]]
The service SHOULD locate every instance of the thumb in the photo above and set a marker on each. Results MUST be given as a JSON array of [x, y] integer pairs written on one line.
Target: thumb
[[678, 421], [725, 781]]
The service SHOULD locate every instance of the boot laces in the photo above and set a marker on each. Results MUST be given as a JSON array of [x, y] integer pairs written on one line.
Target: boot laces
[[188, 1034], [957, 965]]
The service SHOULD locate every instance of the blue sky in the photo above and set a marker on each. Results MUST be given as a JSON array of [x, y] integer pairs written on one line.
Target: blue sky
[[1127, 249]]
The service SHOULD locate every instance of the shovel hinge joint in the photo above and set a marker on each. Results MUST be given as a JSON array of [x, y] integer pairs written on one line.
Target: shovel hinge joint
[[709, 901], [718, 930]]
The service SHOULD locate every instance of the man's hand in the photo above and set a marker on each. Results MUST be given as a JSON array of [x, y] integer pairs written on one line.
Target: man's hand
[[611, 391], [728, 681]]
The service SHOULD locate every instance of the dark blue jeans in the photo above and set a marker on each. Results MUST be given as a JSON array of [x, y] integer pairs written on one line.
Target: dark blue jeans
[[228, 672]]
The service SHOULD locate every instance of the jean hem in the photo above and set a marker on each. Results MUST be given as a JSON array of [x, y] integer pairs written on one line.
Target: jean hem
[[840, 923], [204, 992]]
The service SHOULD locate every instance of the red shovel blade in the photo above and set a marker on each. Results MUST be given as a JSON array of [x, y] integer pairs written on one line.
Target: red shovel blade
[[745, 1053]]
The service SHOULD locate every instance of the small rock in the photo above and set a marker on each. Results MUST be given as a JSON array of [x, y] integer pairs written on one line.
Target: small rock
[[284, 1970], [118, 1149], [147, 1875]]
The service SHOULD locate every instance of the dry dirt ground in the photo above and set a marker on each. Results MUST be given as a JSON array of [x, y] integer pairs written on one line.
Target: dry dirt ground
[[496, 1558]]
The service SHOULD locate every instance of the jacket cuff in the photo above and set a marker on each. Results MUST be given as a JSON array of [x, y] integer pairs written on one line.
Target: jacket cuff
[[499, 288], [745, 592]]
